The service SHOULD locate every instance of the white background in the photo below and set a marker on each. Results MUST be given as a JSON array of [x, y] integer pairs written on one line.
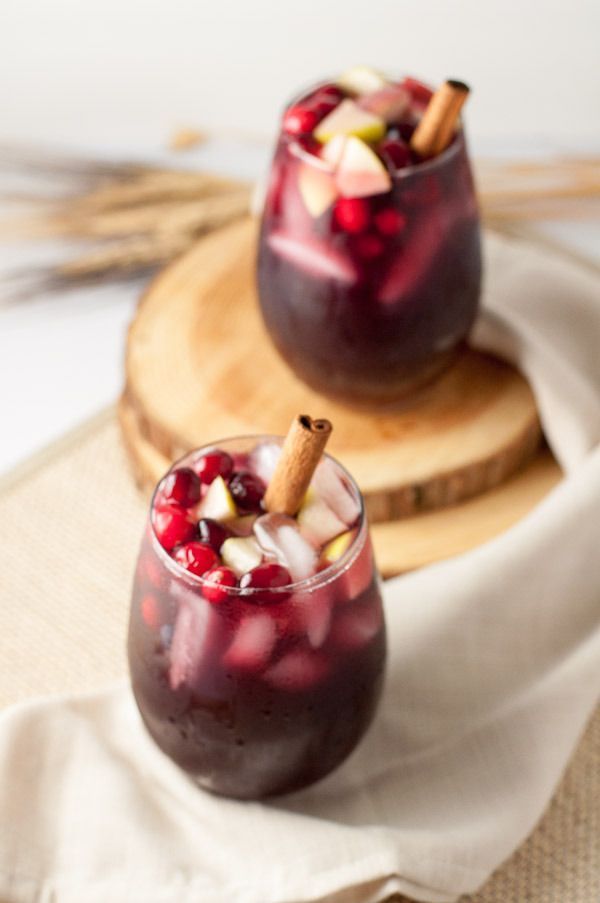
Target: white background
[[119, 76]]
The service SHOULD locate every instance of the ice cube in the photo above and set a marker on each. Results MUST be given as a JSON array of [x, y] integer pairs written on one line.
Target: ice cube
[[279, 535], [316, 614], [356, 625], [263, 459], [252, 644], [331, 487], [318, 522], [300, 669], [194, 638], [316, 257]]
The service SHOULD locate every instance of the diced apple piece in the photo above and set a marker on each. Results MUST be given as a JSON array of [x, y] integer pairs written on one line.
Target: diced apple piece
[[241, 554], [318, 522], [361, 80], [317, 187], [331, 152], [391, 103], [349, 119], [334, 550], [218, 502], [360, 172], [315, 257]]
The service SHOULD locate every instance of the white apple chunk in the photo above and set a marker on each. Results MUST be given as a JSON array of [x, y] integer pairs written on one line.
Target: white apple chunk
[[241, 554], [360, 172], [349, 119], [317, 188], [218, 502], [361, 80]]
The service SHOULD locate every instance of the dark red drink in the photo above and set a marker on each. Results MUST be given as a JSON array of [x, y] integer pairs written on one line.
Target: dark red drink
[[369, 258], [256, 642]]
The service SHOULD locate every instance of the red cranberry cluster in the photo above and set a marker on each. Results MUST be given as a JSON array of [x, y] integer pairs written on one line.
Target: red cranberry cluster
[[195, 543]]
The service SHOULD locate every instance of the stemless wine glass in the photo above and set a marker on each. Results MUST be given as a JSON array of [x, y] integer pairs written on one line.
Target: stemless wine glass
[[369, 298], [257, 691]]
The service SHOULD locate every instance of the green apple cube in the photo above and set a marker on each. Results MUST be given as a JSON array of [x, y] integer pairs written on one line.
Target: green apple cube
[[349, 119], [218, 502], [241, 554]]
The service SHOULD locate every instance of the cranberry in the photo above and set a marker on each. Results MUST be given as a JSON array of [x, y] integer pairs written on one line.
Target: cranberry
[[247, 491], [352, 214], [395, 153], [368, 246], [300, 119], [266, 577], [322, 105], [150, 612], [216, 583], [196, 557], [172, 526], [212, 533], [212, 465], [181, 487], [390, 221], [420, 93]]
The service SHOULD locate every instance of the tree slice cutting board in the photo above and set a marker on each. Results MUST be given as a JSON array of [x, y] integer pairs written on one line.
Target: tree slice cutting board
[[200, 366]]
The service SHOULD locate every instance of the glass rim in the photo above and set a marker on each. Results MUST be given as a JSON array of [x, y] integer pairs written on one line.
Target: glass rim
[[315, 581], [399, 173]]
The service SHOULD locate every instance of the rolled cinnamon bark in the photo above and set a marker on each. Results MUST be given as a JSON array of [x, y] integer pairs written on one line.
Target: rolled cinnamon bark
[[434, 131], [301, 452]]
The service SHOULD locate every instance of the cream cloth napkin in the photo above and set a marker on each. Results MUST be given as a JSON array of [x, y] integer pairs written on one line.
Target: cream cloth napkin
[[494, 670]]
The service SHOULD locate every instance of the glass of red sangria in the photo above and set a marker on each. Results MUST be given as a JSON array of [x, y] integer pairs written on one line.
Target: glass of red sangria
[[369, 263], [256, 639]]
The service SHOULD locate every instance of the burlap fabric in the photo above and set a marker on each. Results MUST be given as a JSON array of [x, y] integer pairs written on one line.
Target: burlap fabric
[[68, 562]]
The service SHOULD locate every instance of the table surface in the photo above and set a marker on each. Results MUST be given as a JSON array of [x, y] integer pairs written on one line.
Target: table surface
[[61, 356]]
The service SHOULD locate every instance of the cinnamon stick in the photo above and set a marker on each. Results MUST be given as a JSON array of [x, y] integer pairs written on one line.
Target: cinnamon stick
[[434, 131], [301, 452]]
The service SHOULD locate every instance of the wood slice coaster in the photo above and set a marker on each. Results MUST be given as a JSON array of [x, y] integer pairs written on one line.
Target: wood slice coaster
[[410, 542], [200, 366]]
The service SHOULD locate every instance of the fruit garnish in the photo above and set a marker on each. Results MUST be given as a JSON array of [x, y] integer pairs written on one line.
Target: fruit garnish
[[181, 487], [317, 188], [360, 172], [395, 153], [299, 120], [247, 490], [216, 583], [332, 151], [349, 119], [267, 577], [172, 526], [390, 102], [334, 550], [318, 522], [241, 554], [213, 464], [196, 557], [212, 532], [368, 246], [390, 221], [362, 80], [218, 503], [352, 214], [279, 535]]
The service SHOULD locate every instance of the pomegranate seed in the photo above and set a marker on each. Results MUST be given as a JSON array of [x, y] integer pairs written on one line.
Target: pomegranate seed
[[212, 465], [352, 214], [395, 153], [299, 119], [247, 491], [172, 526], [266, 577], [369, 246], [390, 221], [150, 612], [212, 533], [196, 557], [216, 583], [181, 487]]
